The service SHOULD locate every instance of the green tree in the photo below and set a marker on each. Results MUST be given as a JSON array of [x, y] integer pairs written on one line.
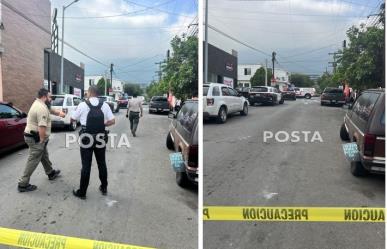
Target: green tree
[[326, 80], [133, 89], [180, 73], [301, 80], [258, 78], [101, 86], [362, 63]]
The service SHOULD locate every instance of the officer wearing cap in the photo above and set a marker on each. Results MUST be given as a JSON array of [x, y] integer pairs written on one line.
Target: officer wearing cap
[[36, 134], [94, 116]]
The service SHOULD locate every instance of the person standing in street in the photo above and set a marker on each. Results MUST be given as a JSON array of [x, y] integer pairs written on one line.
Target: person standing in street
[[94, 116], [36, 136], [134, 113]]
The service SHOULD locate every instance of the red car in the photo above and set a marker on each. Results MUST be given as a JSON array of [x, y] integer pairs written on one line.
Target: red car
[[12, 124], [122, 102]]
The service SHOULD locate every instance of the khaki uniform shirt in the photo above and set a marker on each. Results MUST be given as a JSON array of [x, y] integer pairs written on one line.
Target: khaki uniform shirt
[[135, 105], [38, 115]]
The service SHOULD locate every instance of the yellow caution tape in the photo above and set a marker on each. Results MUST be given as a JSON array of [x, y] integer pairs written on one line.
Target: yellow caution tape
[[32, 240], [303, 214]]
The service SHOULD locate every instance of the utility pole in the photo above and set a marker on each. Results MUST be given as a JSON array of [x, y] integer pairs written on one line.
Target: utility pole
[[61, 86], [265, 72], [273, 61], [111, 78], [206, 44], [159, 71]]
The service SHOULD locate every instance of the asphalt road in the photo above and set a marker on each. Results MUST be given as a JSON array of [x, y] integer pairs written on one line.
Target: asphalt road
[[144, 205], [241, 170]]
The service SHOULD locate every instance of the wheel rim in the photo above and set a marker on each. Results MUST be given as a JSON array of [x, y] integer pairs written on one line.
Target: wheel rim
[[223, 115]]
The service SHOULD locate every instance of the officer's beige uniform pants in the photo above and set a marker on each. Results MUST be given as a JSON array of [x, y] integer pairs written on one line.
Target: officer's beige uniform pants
[[37, 153]]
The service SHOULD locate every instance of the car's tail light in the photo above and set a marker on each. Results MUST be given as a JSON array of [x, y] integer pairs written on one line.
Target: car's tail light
[[65, 110], [369, 144], [193, 156], [210, 101]]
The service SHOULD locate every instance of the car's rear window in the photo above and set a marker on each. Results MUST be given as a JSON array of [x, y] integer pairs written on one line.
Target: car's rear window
[[259, 89], [205, 90], [161, 99], [57, 100], [334, 90], [102, 98]]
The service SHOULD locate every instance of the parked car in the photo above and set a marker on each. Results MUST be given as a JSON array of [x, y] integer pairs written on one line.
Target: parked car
[[265, 95], [244, 91], [220, 100], [305, 92], [364, 124], [123, 102], [332, 96], [111, 102], [66, 103], [12, 124], [183, 137], [159, 104], [289, 94]]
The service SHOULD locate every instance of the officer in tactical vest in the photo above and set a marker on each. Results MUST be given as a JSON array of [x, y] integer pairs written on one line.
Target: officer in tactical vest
[[94, 115]]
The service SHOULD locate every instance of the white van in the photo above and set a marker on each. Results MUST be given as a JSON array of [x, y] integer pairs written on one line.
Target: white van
[[67, 103], [305, 92]]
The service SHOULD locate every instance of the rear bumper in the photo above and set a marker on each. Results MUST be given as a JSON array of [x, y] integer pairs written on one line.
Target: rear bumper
[[192, 174], [210, 111], [332, 101], [58, 123], [374, 164], [261, 99], [158, 109]]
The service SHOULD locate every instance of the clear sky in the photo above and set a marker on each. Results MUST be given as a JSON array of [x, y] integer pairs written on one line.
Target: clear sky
[[131, 34], [301, 32]]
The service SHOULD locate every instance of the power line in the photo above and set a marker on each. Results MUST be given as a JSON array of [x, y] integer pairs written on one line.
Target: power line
[[238, 41]]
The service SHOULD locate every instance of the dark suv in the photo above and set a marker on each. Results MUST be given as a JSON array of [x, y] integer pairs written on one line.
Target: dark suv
[[333, 96], [364, 124], [183, 137], [158, 104]]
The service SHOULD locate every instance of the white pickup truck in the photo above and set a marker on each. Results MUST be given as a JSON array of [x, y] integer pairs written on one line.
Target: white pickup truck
[[305, 92]]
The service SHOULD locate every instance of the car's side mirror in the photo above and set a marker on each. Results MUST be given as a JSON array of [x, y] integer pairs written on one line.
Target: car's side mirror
[[350, 107], [23, 115]]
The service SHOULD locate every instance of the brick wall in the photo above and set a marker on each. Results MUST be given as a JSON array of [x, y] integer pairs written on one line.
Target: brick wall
[[23, 57]]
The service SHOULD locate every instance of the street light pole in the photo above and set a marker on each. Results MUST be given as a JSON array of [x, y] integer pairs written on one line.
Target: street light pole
[[206, 44], [61, 86]]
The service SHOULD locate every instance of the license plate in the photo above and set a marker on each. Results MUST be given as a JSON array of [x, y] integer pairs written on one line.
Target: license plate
[[333, 101]]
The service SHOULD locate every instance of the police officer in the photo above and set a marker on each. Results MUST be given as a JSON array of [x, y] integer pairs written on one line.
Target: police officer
[[94, 116], [134, 113], [36, 136]]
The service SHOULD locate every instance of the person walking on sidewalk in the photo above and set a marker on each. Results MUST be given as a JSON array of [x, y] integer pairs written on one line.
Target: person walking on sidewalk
[[36, 135], [94, 116], [134, 113]]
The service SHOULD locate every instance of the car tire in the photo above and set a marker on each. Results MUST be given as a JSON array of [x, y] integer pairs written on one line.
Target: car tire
[[358, 170], [308, 96], [343, 133], [222, 115], [169, 142], [295, 98], [282, 101], [73, 126], [245, 110], [150, 112], [252, 103], [182, 179]]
